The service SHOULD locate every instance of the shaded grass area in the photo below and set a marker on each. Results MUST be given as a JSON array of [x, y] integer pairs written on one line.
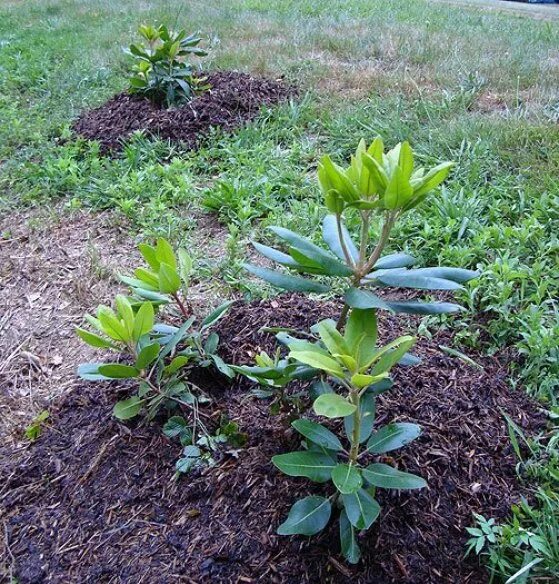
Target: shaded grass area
[[476, 87]]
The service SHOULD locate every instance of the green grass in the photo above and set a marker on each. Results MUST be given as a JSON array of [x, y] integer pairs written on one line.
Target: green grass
[[472, 86]]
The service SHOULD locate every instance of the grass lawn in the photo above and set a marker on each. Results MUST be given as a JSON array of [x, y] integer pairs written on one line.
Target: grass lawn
[[474, 86]]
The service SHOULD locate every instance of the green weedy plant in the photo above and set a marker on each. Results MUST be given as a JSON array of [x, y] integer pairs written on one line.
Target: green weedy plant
[[376, 183], [161, 70], [160, 355], [358, 369]]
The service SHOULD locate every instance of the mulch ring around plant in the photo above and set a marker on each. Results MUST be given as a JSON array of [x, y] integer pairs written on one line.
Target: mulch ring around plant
[[233, 99], [94, 500]]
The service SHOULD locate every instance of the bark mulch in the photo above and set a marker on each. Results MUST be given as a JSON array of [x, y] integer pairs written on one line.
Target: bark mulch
[[94, 500], [234, 99]]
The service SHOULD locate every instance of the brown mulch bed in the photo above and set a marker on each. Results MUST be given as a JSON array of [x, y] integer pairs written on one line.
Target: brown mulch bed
[[94, 500], [234, 99]]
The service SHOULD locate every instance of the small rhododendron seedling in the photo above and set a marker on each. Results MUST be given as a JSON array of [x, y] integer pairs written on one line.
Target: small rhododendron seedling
[[357, 368], [161, 70], [159, 356], [380, 186]]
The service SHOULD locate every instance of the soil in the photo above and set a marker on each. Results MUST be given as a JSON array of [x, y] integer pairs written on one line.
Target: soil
[[234, 99], [94, 500]]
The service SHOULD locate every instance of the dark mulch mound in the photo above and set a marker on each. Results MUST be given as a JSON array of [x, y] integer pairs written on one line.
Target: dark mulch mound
[[234, 99], [94, 501]]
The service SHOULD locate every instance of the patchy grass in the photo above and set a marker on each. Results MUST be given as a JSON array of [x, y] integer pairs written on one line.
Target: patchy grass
[[478, 87]]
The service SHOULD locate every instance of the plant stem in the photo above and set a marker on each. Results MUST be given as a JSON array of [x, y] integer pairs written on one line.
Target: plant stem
[[347, 255], [354, 451], [381, 244], [181, 306]]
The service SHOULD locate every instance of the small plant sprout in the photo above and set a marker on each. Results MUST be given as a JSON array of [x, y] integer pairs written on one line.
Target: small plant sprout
[[358, 370], [161, 70], [159, 356], [274, 374], [378, 186]]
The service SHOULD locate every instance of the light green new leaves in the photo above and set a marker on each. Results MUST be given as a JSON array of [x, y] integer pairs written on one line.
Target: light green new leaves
[[332, 405]]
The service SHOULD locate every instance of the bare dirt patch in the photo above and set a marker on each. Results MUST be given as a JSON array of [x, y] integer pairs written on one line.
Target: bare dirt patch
[[234, 98], [94, 501]]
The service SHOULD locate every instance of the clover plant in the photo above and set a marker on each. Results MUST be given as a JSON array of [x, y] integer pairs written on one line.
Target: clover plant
[[376, 185], [161, 70], [357, 368]]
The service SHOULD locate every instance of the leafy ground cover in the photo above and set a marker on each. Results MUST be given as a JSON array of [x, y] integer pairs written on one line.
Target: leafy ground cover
[[472, 86]]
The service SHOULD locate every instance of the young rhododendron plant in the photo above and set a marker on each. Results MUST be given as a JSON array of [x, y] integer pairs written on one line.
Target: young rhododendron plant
[[161, 70], [358, 370], [159, 355], [375, 185]]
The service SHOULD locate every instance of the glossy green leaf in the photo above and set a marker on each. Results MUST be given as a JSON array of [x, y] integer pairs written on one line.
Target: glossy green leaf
[[318, 360], [361, 508], [275, 255], [332, 405], [387, 477], [318, 434], [165, 254], [90, 372], [332, 338], [348, 541], [286, 281], [144, 320], [394, 260], [93, 340], [361, 334], [392, 437], [127, 409], [364, 300], [308, 516], [346, 478], [148, 253], [418, 307], [432, 179], [169, 280], [316, 466], [147, 355], [331, 236], [118, 371], [214, 316]]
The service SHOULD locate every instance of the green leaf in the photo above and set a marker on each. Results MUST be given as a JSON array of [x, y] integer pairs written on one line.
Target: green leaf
[[112, 327], [127, 408], [93, 340], [326, 260], [331, 237], [118, 371], [415, 307], [177, 363], [185, 265], [398, 191], [361, 334], [387, 477], [214, 316], [332, 405], [347, 478], [394, 260], [332, 338], [432, 179], [316, 359], [348, 541], [148, 253], [147, 355], [144, 320], [275, 255], [364, 300], [392, 436], [149, 279], [367, 407], [318, 434], [90, 372], [286, 281], [316, 466], [165, 254], [308, 516], [175, 426], [406, 160], [412, 279], [169, 280], [361, 509], [125, 311], [391, 354]]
